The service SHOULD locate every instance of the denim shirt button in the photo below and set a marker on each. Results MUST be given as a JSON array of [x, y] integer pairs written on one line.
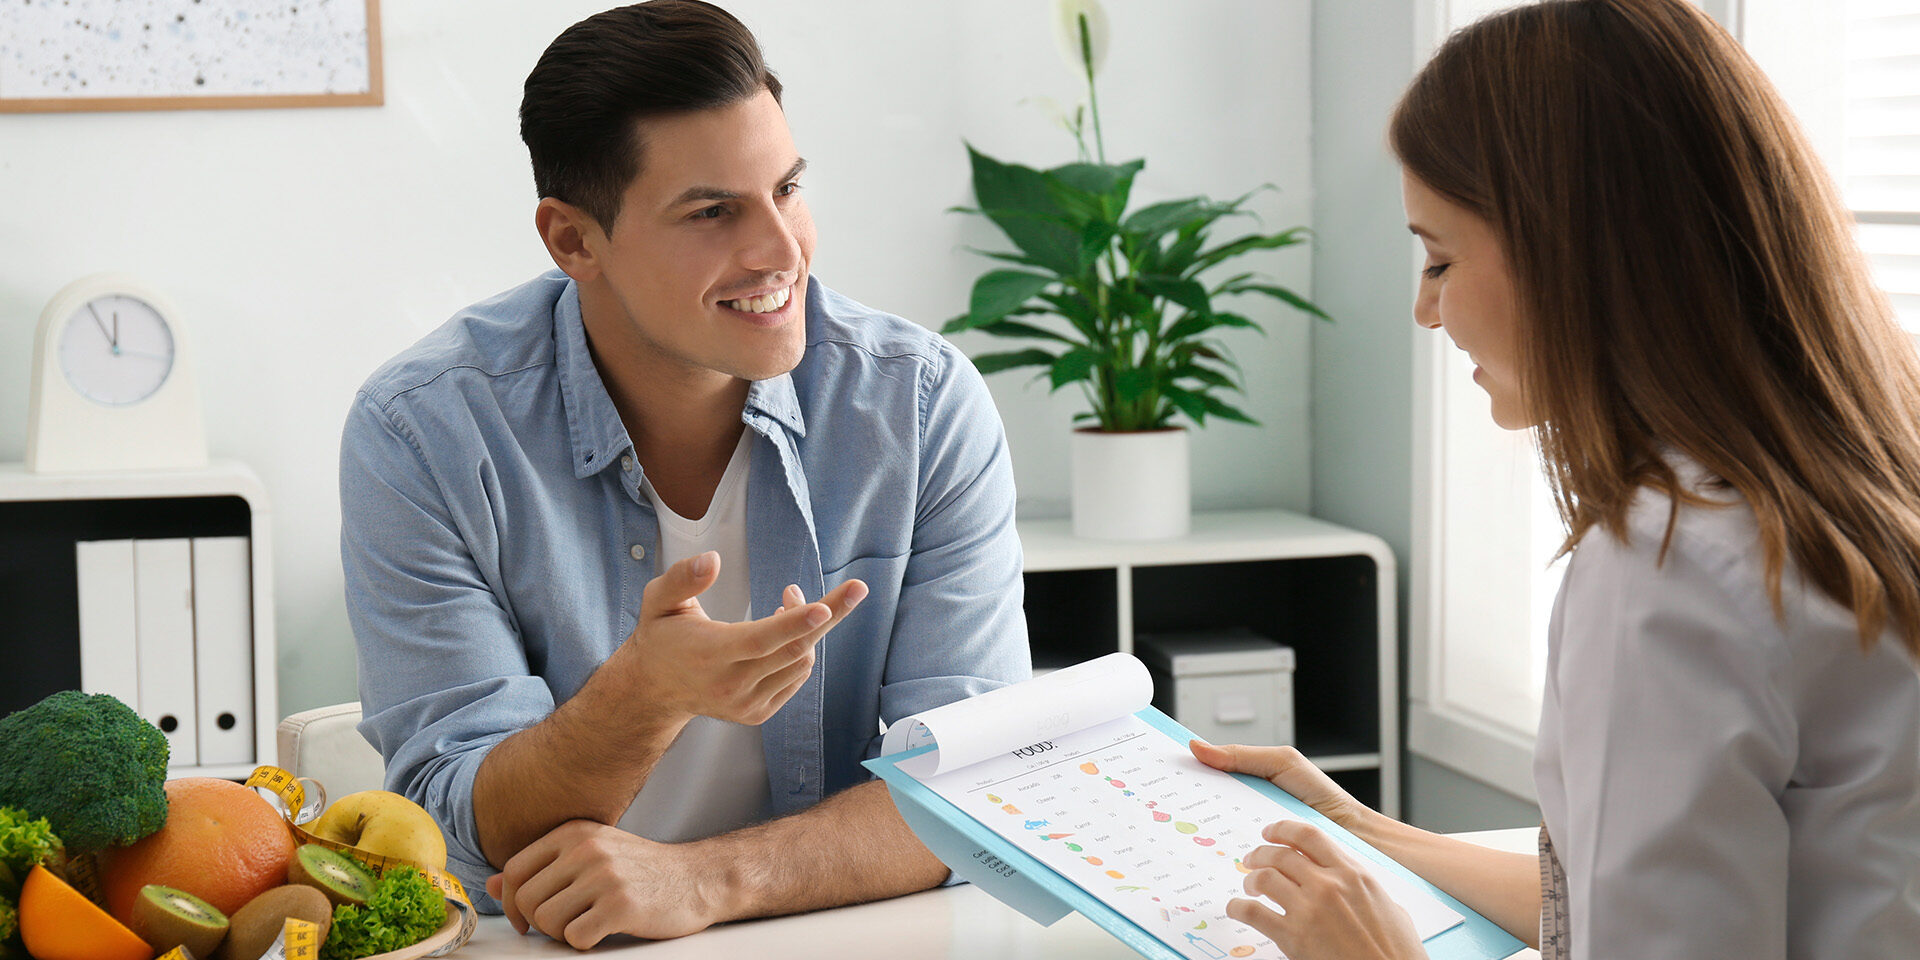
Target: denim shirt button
[[638, 552], [626, 463]]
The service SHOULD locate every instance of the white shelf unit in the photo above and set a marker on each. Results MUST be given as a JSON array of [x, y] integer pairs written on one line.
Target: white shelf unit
[[1322, 589], [40, 512]]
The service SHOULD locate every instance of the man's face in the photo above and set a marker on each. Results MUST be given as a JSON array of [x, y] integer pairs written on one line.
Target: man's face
[[708, 256]]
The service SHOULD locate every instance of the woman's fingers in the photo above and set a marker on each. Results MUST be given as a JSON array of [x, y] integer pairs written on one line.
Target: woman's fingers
[[1309, 840]]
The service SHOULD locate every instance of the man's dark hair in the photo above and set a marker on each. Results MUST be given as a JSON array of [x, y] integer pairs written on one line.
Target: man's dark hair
[[583, 99]]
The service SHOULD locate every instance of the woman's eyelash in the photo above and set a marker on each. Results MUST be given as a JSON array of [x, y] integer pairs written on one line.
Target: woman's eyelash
[[1434, 272]]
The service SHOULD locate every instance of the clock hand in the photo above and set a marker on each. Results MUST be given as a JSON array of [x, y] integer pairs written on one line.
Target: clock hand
[[116, 331], [112, 340]]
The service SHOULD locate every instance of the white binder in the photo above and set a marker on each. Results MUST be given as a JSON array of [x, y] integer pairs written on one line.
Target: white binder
[[107, 645], [223, 648], [163, 587]]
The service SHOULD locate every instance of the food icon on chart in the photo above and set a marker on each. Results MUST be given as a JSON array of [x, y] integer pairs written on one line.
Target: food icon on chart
[[1089, 767], [1203, 841], [1185, 827], [1038, 824], [1010, 808], [1205, 946], [1241, 951], [993, 799]]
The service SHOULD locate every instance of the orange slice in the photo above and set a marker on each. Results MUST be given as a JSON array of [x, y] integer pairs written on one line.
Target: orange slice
[[58, 923]]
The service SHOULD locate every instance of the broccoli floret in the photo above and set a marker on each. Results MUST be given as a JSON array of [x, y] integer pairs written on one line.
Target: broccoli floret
[[88, 764]]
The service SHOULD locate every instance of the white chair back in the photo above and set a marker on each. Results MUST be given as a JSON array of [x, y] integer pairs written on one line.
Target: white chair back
[[325, 744]]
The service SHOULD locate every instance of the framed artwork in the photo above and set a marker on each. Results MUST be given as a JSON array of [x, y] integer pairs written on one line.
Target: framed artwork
[[80, 55]]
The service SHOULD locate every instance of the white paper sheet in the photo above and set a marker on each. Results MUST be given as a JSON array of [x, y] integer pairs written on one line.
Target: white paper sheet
[[1132, 817], [1075, 698]]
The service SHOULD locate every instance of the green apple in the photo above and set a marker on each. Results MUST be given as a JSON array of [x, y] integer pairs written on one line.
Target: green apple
[[386, 823]]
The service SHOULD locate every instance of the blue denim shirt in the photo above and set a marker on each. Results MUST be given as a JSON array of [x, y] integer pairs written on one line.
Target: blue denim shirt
[[491, 509]]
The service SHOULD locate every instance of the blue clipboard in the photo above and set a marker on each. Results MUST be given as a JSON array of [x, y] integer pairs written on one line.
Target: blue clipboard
[[984, 858]]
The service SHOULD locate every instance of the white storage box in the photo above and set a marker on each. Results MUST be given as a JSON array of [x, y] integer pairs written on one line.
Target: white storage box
[[1226, 686]]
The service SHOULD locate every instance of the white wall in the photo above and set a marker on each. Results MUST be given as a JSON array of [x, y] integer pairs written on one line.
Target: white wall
[[307, 246]]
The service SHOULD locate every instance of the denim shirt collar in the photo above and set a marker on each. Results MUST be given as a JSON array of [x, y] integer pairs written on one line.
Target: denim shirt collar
[[598, 435]]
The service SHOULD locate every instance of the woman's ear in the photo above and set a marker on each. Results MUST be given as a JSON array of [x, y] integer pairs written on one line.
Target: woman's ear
[[573, 238]]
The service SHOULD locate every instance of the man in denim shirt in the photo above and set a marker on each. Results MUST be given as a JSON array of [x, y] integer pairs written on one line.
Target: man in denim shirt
[[537, 670]]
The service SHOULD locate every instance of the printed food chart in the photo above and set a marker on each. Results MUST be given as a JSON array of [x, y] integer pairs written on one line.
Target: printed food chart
[[1129, 815]]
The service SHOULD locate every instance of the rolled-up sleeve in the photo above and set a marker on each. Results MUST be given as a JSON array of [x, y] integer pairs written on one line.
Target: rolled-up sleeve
[[443, 675], [1676, 738], [960, 628]]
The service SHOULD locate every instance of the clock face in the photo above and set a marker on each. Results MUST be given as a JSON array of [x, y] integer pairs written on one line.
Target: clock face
[[116, 349]]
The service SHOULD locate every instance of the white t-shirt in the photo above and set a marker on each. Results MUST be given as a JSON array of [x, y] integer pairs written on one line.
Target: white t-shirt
[[1719, 783], [713, 779]]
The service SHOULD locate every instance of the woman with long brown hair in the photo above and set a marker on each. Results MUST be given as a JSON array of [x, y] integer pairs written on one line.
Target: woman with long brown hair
[[1629, 234]]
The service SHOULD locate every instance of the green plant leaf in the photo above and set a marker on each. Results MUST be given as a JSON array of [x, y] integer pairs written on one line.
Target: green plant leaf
[[1014, 328], [1281, 294], [1225, 411], [1206, 375], [1074, 365], [1093, 191], [1178, 256], [1152, 221], [996, 362], [1095, 239], [1190, 403], [1000, 292], [1194, 324], [1246, 244], [1187, 293], [1021, 258], [1018, 201], [1133, 383], [1076, 309]]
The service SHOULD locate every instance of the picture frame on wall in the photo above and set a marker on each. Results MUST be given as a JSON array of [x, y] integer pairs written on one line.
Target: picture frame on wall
[[103, 55]]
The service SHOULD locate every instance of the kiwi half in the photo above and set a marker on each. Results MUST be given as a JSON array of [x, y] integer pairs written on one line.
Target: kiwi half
[[166, 918], [261, 920], [342, 878]]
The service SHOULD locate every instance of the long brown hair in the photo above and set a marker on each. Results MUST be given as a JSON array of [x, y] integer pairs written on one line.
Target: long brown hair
[[1687, 277]]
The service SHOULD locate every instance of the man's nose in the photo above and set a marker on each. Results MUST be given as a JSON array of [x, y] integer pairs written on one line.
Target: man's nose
[[772, 246]]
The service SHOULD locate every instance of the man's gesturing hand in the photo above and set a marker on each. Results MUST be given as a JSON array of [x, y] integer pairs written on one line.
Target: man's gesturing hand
[[684, 662]]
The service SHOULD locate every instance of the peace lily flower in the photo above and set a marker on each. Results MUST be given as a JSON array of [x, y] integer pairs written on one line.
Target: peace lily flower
[[1066, 29], [1081, 28]]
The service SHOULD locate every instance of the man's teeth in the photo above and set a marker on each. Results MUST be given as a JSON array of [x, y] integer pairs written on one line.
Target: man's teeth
[[766, 303]]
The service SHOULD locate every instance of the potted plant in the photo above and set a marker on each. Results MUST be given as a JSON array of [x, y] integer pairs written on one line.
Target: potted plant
[[1139, 298]]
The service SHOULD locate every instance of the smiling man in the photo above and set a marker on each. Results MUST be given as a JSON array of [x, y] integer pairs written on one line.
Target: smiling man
[[640, 554]]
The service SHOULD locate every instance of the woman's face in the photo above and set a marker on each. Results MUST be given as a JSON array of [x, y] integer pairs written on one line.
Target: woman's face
[[1465, 290]]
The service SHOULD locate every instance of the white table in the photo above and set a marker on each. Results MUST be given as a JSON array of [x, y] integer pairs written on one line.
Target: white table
[[956, 922]]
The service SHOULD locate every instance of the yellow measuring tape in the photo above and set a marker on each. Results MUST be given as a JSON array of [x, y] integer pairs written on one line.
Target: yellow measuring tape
[[287, 787]]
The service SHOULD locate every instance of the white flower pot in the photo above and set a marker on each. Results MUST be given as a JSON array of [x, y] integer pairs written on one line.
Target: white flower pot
[[1131, 486]]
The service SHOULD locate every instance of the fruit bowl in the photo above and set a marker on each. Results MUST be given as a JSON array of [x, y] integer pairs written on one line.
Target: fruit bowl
[[434, 941]]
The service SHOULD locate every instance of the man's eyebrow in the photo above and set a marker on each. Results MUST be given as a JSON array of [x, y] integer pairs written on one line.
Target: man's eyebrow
[[702, 192]]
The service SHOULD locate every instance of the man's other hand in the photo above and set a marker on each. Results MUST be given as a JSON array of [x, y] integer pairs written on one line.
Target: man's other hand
[[683, 662]]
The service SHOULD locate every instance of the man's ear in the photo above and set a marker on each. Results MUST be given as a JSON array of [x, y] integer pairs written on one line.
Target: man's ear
[[572, 237]]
